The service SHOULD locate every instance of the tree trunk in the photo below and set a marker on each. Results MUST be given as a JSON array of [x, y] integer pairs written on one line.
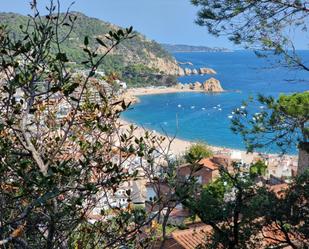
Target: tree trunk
[[303, 157], [164, 224]]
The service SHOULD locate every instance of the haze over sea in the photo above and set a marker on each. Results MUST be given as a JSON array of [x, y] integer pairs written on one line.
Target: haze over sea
[[205, 117]]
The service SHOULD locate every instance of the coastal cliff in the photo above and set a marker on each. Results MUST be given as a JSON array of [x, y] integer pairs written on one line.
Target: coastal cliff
[[139, 61]]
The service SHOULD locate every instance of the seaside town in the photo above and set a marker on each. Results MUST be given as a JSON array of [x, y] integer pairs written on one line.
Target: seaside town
[[75, 173], [146, 188]]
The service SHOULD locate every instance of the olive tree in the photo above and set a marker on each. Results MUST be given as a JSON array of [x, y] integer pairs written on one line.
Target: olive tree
[[62, 147]]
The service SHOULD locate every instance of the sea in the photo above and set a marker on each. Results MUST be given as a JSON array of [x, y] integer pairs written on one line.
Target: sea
[[206, 117]]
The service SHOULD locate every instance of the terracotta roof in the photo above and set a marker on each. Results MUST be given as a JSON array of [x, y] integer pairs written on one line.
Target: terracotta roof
[[273, 235], [208, 163], [278, 189], [169, 244], [196, 236], [193, 237]]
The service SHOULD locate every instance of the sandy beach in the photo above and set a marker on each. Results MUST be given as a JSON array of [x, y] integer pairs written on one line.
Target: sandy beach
[[158, 90], [179, 146], [131, 95]]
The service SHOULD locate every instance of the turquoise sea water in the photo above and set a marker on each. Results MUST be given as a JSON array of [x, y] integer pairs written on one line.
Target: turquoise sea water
[[193, 116]]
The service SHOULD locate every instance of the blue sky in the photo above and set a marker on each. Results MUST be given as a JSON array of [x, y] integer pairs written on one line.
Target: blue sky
[[168, 21]]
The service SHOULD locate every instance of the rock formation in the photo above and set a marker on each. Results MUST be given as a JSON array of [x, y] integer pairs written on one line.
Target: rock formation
[[179, 86], [187, 86], [194, 71], [181, 72], [197, 85], [188, 71], [212, 85], [205, 70]]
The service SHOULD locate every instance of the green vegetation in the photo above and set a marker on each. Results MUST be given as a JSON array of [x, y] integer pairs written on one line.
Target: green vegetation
[[197, 152], [238, 207], [258, 169], [60, 147], [258, 25], [282, 122], [134, 60]]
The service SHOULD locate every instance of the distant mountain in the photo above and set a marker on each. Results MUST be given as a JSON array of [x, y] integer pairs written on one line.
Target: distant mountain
[[174, 48], [139, 61]]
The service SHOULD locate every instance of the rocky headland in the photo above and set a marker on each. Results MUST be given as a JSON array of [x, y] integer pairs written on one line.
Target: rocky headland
[[211, 85]]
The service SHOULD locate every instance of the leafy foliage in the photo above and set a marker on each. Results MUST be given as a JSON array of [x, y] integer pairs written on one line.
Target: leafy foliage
[[62, 148], [197, 152], [282, 122], [262, 25]]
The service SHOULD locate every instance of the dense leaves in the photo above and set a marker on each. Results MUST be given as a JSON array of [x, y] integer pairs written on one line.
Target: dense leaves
[[58, 135]]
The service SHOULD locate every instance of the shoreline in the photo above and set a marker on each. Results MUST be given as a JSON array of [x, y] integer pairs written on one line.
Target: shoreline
[[179, 146], [140, 91]]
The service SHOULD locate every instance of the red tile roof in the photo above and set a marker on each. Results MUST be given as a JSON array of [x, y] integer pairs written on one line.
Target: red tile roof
[[208, 163], [193, 237], [196, 236]]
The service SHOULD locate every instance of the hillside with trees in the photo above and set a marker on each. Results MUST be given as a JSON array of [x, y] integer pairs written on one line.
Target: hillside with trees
[[138, 61]]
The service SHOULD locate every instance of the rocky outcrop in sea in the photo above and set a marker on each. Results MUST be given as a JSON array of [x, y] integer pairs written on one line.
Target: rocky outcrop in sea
[[203, 70], [210, 85]]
